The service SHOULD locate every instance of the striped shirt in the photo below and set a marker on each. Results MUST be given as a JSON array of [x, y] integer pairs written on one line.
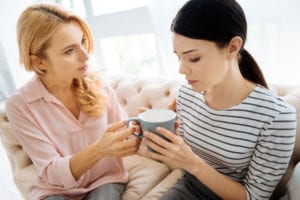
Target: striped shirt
[[251, 142]]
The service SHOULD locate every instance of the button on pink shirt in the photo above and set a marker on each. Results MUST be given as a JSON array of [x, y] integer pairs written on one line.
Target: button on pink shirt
[[50, 134]]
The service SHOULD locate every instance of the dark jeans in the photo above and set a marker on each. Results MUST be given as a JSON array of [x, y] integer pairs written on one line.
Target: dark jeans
[[189, 187]]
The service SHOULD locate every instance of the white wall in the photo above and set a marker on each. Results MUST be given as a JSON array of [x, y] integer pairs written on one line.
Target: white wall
[[275, 47], [274, 38], [10, 11]]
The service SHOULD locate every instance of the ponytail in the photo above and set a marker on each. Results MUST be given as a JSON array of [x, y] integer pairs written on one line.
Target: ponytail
[[250, 69]]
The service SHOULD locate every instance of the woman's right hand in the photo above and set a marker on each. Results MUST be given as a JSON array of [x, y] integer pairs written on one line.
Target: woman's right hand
[[116, 141]]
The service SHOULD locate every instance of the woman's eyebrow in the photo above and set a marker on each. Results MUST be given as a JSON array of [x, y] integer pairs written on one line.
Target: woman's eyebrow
[[188, 51]]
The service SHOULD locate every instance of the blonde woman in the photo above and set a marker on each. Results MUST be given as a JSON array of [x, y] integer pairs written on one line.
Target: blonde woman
[[67, 120]]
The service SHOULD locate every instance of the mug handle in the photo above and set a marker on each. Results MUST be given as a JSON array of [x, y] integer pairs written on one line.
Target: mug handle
[[139, 136]]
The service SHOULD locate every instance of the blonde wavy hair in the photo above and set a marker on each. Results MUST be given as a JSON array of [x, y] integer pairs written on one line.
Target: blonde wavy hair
[[35, 27]]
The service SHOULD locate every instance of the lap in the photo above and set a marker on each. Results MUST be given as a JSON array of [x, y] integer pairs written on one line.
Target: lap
[[55, 197], [109, 191], [189, 188]]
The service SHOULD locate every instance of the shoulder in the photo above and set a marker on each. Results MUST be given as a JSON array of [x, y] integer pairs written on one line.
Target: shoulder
[[19, 96], [279, 114], [265, 97], [32, 90]]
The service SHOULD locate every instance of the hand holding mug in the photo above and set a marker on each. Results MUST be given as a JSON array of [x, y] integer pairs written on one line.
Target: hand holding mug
[[150, 119]]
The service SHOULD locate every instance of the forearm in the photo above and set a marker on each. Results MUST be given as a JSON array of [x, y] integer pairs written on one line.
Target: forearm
[[84, 160], [223, 186], [113, 143]]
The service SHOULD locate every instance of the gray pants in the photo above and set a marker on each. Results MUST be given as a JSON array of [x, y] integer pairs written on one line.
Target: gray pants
[[110, 191], [189, 187]]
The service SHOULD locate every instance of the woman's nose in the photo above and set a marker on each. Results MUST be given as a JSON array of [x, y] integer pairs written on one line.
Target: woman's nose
[[183, 69], [84, 53]]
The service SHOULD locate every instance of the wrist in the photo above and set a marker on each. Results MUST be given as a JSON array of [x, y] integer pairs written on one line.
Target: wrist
[[96, 150], [195, 166]]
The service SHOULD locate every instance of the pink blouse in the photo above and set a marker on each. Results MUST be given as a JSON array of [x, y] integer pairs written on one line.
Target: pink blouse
[[50, 134]]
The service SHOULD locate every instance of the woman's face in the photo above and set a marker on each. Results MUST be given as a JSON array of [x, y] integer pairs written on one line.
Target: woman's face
[[203, 63], [67, 56]]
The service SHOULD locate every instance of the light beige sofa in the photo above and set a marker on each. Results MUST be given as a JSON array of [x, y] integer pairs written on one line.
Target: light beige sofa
[[148, 179]]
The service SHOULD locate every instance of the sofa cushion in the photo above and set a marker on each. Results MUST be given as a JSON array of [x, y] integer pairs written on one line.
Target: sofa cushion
[[293, 185], [22, 168], [164, 185], [144, 174]]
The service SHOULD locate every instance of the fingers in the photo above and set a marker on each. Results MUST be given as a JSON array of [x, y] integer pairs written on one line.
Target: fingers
[[130, 143], [160, 144], [115, 126], [127, 152], [158, 148], [120, 131], [143, 109], [124, 133], [154, 155], [118, 144], [134, 123], [177, 124], [164, 132], [172, 105], [118, 140], [127, 147]]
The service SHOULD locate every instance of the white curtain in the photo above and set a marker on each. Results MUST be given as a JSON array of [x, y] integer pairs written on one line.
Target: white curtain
[[162, 13], [273, 36], [7, 84]]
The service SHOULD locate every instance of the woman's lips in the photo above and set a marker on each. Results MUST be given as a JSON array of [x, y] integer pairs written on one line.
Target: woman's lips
[[191, 82], [83, 68]]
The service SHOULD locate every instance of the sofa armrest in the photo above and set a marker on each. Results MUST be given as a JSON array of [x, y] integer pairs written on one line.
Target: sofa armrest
[[144, 174]]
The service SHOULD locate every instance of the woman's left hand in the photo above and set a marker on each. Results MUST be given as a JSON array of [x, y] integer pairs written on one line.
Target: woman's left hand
[[175, 153]]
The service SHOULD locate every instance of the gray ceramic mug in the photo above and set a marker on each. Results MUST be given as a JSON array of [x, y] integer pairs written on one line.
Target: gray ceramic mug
[[152, 118]]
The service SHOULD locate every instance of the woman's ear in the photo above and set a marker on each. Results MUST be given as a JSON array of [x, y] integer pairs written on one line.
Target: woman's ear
[[234, 47], [38, 64]]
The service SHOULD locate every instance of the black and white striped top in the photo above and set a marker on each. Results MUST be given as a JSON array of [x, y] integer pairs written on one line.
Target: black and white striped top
[[251, 142]]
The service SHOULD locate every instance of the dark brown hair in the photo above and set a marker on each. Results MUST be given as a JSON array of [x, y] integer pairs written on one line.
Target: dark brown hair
[[218, 21]]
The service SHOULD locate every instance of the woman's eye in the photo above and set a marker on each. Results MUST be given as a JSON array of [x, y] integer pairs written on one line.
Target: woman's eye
[[193, 60], [69, 51], [83, 41]]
